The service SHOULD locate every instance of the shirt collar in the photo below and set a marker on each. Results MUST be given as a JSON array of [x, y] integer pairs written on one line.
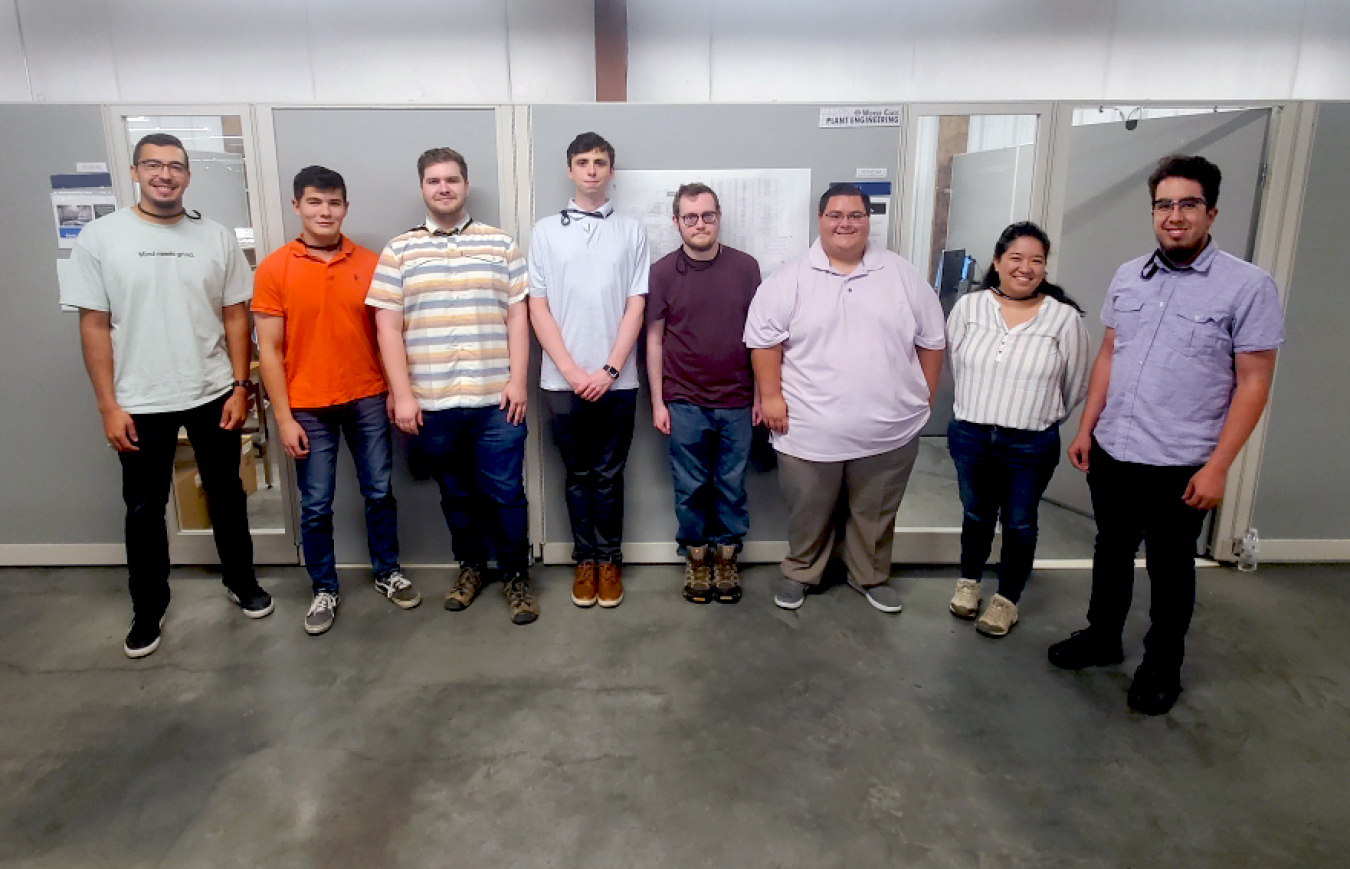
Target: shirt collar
[[607, 209], [432, 227], [298, 248], [818, 259]]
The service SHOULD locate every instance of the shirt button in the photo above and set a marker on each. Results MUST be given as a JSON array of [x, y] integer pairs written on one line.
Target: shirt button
[[1160, 304]]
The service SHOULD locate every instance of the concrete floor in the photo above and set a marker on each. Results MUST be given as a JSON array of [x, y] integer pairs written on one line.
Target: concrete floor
[[664, 734]]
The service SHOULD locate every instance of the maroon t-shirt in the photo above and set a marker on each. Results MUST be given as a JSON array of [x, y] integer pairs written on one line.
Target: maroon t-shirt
[[704, 358]]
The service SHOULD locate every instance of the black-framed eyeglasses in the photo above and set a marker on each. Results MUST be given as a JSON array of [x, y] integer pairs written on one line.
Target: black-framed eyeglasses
[[838, 216], [692, 219], [1190, 206], [174, 167]]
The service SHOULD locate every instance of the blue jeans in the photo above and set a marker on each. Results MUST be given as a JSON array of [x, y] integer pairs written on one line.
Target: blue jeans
[[366, 427], [1001, 472], [478, 460], [709, 449]]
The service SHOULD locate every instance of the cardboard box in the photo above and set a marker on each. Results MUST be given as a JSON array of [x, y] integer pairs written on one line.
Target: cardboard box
[[190, 495]]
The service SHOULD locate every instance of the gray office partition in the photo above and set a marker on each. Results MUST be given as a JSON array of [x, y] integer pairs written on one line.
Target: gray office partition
[[693, 138], [1303, 494], [376, 151], [62, 487], [1107, 219]]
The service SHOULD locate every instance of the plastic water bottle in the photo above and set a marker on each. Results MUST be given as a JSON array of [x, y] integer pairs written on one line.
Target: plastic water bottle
[[1251, 549]]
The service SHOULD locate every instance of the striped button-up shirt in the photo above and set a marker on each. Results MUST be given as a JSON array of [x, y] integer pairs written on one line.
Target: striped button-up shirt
[[1172, 372], [1026, 377], [453, 290]]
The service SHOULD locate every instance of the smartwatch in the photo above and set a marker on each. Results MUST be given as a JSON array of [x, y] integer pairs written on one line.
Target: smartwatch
[[611, 371]]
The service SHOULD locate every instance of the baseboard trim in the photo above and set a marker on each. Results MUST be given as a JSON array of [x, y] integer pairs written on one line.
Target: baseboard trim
[[62, 554], [1294, 550]]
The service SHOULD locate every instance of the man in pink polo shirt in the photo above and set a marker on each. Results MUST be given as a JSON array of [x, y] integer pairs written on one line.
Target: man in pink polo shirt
[[846, 343]]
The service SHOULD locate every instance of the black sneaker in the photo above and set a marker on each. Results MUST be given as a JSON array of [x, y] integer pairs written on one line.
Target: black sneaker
[[255, 602], [1085, 649], [1154, 690], [143, 638]]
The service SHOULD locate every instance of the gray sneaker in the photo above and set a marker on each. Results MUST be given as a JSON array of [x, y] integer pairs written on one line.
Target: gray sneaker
[[322, 613], [788, 594], [400, 592], [881, 596]]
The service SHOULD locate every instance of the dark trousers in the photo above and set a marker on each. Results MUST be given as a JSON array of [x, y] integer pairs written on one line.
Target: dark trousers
[[1135, 503], [147, 475], [594, 437], [1001, 472], [366, 427], [477, 458]]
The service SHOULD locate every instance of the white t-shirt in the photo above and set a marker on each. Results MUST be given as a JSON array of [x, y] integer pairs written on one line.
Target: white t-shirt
[[587, 270], [165, 287], [851, 374]]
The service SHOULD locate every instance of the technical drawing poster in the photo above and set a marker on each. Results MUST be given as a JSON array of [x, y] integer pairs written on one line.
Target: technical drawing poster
[[765, 212]]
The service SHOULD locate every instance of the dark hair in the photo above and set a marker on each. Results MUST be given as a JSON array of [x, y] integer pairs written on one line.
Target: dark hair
[[163, 140], [319, 178], [843, 189], [693, 191], [1196, 169], [589, 142], [436, 156], [1027, 229]]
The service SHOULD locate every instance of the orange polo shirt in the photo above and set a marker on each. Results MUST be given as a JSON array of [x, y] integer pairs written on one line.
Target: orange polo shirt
[[329, 347]]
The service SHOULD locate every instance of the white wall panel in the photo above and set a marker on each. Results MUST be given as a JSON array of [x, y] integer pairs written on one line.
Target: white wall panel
[[13, 76], [70, 51], [670, 50], [1323, 71], [552, 46]]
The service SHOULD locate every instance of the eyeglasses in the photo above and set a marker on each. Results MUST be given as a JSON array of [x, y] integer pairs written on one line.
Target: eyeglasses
[[175, 168], [839, 216], [1190, 206], [692, 219]]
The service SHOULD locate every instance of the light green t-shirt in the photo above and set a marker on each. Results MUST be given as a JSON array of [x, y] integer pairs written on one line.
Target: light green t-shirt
[[165, 287]]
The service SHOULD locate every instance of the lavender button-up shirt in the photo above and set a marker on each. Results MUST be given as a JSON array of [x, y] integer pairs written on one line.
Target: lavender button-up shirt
[[1172, 374]]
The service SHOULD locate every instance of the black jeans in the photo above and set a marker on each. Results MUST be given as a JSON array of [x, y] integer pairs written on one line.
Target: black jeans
[[594, 437], [1135, 503], [146, 477]]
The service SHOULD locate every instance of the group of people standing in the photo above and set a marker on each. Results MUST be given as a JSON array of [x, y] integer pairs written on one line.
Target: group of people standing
[[837, 353]]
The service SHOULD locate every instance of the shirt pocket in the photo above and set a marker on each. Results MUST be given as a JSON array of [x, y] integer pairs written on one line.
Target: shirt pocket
[[1128, 311], [1199, 331]]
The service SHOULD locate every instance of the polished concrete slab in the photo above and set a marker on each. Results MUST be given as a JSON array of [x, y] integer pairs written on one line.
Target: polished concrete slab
[[664, 734]]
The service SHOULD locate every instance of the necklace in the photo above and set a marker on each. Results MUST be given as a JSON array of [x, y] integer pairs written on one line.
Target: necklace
[[998, 291], [337, 245], [195, 215]]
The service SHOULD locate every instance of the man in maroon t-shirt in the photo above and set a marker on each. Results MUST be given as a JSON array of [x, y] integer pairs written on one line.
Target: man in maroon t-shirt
[[703, 392]]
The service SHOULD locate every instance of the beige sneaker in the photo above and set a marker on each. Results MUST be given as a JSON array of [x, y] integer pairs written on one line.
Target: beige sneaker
[[966, 602], [998, 618]]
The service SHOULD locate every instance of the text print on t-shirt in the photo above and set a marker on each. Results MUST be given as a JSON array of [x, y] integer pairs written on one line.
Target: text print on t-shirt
[[177, 253]]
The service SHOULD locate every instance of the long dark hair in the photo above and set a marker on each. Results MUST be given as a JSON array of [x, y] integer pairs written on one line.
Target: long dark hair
[[1027, 229]]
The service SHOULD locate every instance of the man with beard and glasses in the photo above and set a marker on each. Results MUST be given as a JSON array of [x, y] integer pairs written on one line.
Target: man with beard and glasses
[[1180, 380]]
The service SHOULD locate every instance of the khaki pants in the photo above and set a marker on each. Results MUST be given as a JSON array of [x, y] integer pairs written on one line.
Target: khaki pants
[[861, 495]]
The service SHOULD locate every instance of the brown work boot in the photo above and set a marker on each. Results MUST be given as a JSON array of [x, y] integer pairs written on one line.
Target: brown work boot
[[611, 585], [726, 578], [465, 589], [520, 598], [583, 585], [697, 577]]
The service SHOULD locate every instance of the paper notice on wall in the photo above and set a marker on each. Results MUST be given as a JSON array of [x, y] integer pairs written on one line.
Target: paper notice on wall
[[77, 200], [765, 212], [859, 116]]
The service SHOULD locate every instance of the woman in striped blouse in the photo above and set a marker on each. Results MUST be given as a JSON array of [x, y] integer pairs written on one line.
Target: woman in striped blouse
[[1020, 357]]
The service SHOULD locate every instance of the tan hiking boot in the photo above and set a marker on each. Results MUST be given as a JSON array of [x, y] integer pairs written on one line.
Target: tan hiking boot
[[998, 618], [583, 584], [520, 600], [966, 602], [610, 581], [698, 583], [726, 576], [464, 590]]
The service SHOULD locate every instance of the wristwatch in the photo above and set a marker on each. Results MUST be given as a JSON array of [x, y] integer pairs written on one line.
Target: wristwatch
[[611, 371], [241, 384]]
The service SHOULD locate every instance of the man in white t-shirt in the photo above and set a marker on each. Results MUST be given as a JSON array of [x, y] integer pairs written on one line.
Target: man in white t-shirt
[[588, 283], [846, 342], [164, 330]]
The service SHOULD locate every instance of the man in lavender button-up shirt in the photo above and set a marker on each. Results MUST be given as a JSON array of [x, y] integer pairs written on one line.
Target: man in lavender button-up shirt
[[1179, 383]]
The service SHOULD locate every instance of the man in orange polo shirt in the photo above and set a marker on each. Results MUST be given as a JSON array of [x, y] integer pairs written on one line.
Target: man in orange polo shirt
[[320, 363]]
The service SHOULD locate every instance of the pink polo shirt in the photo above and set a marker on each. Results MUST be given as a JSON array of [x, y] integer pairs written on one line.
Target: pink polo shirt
[[851, 374]]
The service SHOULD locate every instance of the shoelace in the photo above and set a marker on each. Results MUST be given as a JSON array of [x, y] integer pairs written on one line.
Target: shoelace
[[323, 600], [517, 591]]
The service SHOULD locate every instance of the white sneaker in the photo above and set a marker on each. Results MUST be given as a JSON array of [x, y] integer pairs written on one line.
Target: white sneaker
[[966, 602]]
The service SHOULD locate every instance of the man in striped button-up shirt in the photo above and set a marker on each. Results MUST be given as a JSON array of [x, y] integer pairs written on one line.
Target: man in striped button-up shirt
[[454, 335]]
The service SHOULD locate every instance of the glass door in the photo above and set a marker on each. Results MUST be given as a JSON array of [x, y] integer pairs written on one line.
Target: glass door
[[223, 187]]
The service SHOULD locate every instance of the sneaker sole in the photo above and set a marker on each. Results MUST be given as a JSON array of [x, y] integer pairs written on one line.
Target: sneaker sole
[[406, 604], [524, 618], [322, 629], [610, 604], [583, 602], [729, 597], [698, 596], [876, 606], [253, 614], [964, 615], [788, 604], [985, 632]]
